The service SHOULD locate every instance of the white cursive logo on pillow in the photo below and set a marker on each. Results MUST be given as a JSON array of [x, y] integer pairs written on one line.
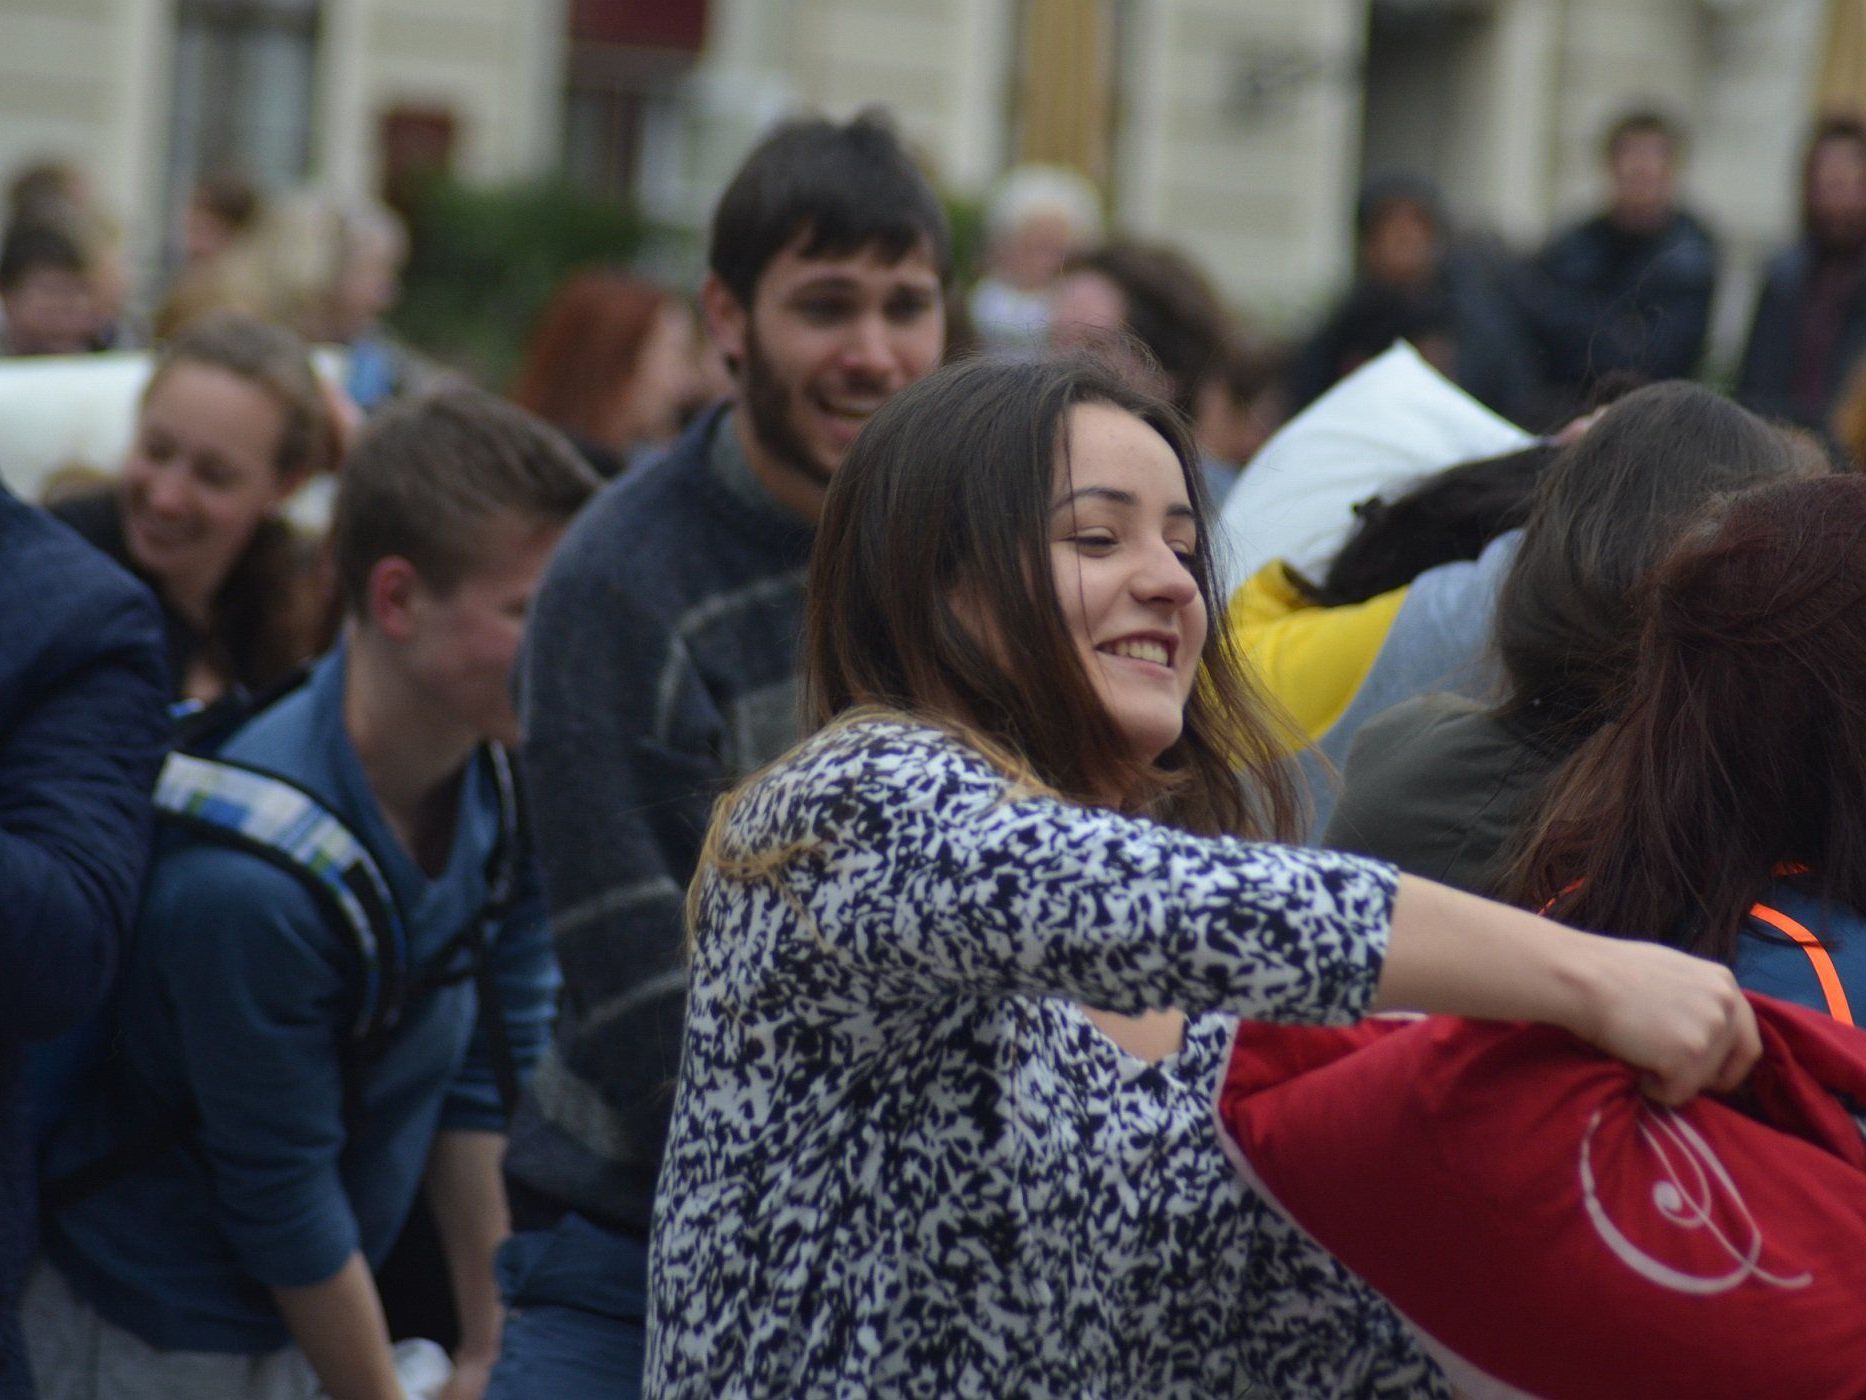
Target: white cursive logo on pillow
[[1694, 1183]]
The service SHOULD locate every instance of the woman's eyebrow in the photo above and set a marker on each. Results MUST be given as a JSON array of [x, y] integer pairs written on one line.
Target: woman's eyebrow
[[1114, 496], [1100, 493]]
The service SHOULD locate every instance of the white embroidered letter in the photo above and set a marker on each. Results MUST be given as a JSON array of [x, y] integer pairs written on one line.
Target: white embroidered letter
[[1692, 1185]]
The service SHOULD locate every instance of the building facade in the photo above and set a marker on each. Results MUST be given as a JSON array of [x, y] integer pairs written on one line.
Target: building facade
[[1242, 128], [146, 95], [1239, 128]]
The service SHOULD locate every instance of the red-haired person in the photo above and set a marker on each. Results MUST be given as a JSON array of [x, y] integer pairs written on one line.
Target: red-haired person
[[614, 363]]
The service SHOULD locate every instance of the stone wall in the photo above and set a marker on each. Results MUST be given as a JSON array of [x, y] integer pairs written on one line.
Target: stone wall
[[87, 81]]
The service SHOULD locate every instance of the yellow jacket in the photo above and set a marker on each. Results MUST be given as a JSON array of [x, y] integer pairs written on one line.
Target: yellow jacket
[[1311, 659]]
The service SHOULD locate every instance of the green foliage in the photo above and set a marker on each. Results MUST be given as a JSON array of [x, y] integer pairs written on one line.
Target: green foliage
[[966, 216], [483, 260]]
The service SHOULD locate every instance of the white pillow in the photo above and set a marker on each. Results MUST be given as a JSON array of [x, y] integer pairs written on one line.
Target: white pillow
[[66, 410], [1393, 419], [79, 410]]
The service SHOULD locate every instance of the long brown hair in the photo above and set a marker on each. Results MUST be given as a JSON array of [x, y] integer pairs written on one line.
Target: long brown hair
[[1607, 507], [947, 494], [1741, 741]]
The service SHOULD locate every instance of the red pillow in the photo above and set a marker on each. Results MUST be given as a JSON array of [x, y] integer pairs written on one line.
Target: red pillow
[[1549, 1231]]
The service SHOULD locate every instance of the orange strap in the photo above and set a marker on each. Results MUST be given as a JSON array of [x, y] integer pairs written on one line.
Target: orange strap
[[1824, 969]]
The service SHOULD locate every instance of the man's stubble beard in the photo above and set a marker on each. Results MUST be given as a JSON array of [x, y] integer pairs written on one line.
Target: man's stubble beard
[[769, 402]]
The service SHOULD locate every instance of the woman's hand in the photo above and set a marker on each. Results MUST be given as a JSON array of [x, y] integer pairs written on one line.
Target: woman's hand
[[1678, 1018]]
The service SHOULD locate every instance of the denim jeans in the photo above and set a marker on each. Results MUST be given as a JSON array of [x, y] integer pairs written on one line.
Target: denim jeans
[[577, 1314]]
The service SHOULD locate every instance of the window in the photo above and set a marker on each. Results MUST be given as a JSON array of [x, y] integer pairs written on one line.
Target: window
[[627, 105], [242, 92]]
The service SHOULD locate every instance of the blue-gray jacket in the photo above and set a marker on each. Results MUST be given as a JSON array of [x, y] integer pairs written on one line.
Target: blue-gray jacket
[[660, 668], [236, 995]]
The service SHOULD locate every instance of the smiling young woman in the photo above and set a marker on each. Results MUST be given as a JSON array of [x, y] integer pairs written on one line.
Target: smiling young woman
[[1124, 544], [902, 1153], [232, 422]]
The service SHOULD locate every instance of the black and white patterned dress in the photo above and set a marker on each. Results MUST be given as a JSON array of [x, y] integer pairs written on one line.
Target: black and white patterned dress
[[903, 1161]]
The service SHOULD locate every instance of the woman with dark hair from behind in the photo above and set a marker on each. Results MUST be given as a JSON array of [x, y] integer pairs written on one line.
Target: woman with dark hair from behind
[[904, 1154], [1724, 810], [614, 364], [1439, 784]]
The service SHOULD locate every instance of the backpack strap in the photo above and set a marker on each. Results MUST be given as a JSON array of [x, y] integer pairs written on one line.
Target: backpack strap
[[1824, 970], [502, 870], [283, 824], [274, 819]]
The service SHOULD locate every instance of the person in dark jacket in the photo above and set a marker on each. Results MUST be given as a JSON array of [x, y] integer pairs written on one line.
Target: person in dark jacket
[[1810, 325], [83, 722], [660, 669], [1411, 283], [1628, 292]]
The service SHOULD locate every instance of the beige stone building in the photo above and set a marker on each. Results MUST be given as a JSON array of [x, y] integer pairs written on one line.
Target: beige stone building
[[1240, 128], [143, 95]]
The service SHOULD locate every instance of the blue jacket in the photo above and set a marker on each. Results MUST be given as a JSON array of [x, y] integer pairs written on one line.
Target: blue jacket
[[1767, 962], [1600, 301], [236, 994], [83, 722]]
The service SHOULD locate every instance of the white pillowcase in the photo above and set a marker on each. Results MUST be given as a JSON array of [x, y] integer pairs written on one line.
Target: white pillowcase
[[1392, 420], [66, 410], [80, 410]]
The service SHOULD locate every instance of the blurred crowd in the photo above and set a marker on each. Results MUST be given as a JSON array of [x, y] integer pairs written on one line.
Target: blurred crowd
[[1621, 298], [461, 722]]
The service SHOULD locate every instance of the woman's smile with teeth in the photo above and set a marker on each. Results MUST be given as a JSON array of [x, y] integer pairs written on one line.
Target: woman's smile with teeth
[[1141, 649]]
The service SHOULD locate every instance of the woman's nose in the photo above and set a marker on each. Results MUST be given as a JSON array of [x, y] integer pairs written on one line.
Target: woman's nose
[[1167, 576], [166, 492]]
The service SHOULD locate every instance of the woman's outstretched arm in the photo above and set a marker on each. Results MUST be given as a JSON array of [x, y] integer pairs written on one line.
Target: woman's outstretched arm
[[1680, 1019]]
